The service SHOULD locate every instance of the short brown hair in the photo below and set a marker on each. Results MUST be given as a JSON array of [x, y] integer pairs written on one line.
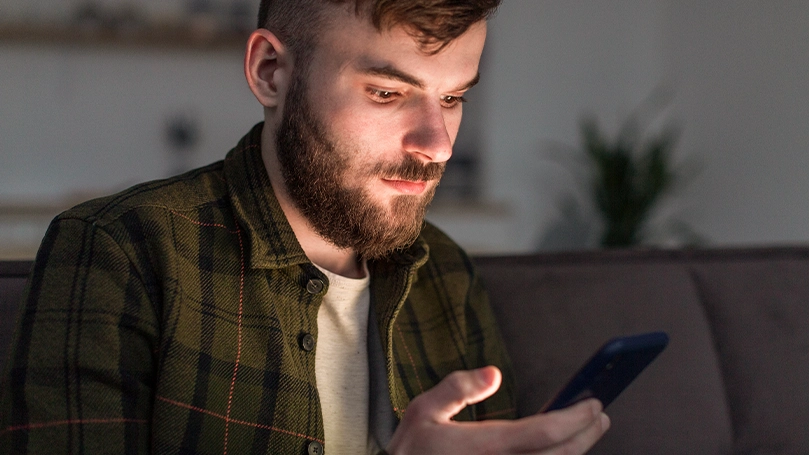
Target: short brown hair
[[433, 23]]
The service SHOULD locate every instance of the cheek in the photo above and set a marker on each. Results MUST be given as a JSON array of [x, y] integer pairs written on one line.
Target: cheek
[[352, 121], [452, 121], [369, 136]]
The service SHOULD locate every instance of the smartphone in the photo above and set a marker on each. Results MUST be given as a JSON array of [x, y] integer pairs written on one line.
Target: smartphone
[[610, 370]]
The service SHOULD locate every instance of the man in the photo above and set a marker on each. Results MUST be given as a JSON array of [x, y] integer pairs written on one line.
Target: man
[[289, 299]]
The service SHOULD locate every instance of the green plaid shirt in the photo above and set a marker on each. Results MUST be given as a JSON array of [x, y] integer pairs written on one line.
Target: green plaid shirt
[[170, 318]]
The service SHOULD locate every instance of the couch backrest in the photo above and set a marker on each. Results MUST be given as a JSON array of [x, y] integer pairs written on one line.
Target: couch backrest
[[13, 275], [733, 379], [758, 308]]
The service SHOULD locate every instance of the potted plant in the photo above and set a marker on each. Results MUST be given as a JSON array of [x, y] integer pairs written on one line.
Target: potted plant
[[628, 177]]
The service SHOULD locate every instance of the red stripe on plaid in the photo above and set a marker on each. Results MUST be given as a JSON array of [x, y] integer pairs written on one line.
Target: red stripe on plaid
[[239, 422], [200, 223], [418, 380], [56, 423], [238, 339]]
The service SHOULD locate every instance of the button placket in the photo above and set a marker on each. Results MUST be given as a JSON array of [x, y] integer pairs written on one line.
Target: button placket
[[306, 340]]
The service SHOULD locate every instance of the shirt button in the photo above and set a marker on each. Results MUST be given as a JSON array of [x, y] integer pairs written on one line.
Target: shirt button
[[315, 448], [314, 286], [307, 342]]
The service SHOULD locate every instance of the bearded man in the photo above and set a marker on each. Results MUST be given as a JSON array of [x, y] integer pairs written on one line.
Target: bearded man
[[289, 299]]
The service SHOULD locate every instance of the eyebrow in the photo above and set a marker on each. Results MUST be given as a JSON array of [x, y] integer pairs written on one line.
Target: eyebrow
[[389, 72]]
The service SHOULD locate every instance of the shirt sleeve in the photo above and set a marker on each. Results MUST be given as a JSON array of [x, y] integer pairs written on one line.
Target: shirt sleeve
[[82, 367]]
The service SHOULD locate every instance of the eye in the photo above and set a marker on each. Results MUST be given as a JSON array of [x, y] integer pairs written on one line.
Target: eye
[[452, 101], [382, 96]]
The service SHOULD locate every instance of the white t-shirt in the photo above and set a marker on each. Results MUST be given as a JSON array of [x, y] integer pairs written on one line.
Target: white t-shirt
[[341, 364]]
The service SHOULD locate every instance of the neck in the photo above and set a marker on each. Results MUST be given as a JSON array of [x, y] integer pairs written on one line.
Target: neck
[[319, 250]]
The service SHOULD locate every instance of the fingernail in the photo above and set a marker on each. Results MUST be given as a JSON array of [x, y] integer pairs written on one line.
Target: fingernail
[[594, 406], [483, 375], [486, 375], [605, 422], [597, 406]]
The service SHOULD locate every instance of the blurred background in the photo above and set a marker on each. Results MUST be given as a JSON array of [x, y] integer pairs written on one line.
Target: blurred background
[[98, 95]]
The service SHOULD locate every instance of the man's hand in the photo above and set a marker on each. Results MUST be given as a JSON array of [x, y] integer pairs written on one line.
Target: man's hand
[[427, 427]]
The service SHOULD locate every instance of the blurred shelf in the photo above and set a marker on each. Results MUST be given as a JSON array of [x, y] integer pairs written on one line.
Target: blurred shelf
[[23, 224], [167, 36]]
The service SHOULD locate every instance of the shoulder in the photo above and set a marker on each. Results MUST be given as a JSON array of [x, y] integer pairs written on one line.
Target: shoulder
[[183, 194], [148, 230], [151, 223]]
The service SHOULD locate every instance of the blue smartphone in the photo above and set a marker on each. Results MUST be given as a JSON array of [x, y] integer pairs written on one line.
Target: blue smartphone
[[610, 370]]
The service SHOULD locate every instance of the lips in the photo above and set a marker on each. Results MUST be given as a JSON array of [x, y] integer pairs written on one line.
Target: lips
[[406, 186]]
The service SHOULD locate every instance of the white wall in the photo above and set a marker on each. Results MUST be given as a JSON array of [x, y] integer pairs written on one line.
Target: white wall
[[549, 63], [741, 73], [80, 122], [91, 119], [738, 74]]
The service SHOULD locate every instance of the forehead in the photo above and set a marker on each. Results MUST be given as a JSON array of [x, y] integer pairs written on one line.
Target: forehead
[[349, 41]]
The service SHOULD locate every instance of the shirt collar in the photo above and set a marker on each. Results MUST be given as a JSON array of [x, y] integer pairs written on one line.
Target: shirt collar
[[268, 235]]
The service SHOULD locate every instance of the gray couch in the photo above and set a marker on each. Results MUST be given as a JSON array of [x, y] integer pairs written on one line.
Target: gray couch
[[733, 380], [735, 377], [13, 276]]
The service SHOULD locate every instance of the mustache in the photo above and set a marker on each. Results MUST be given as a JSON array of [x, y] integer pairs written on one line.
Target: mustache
[[410, 169]]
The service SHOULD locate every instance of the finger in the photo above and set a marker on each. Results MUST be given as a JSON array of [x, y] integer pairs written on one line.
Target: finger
[[551, 429], [583, 441], [456, 391]]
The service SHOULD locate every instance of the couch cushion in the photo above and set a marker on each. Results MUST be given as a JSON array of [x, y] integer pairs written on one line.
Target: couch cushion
[[759, 307], [555, 310]]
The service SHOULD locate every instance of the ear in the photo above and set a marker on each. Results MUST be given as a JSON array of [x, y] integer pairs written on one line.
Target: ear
[[267, 67]]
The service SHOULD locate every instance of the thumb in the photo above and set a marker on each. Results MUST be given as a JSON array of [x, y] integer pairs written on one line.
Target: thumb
[[456, 391]]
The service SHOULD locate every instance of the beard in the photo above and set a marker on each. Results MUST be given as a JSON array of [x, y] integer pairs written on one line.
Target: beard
[[318, 171]]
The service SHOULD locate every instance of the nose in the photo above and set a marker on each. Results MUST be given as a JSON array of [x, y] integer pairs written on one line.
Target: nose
[[429, 138]]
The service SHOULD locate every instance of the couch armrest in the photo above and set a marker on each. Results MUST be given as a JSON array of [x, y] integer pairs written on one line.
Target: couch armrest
[[13, 276]]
